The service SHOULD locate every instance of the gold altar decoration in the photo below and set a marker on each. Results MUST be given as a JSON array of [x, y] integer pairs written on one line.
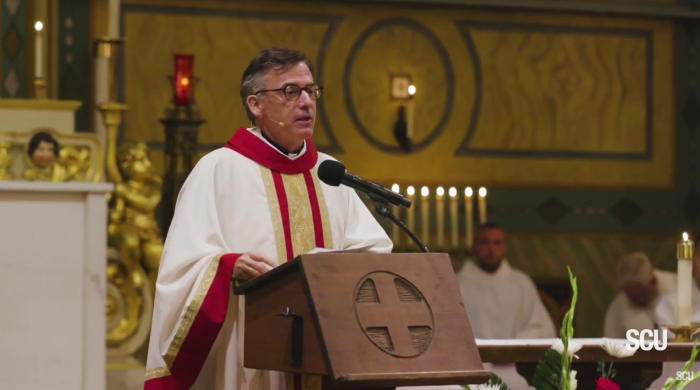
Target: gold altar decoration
[[45, 154], [134, 239]]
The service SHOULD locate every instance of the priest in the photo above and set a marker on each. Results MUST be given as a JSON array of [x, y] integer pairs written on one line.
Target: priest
[[501, 302], [244, 209]]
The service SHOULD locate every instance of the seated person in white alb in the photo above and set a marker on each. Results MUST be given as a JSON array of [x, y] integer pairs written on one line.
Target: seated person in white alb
[[501, 302], [642, 288]]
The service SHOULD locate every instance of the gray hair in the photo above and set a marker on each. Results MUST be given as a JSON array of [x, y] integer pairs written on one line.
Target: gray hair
[[274, 58]]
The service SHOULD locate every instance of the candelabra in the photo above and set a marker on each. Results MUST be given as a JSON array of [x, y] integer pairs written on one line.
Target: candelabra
[[182, 121], [684, 330]]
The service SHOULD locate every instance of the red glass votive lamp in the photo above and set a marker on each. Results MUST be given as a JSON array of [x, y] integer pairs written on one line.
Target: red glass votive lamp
[[183, 78]]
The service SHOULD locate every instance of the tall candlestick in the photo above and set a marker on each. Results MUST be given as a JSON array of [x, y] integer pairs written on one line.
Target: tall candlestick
[[394, 227], [454, 224], [440, 210], [410, 115], [425, 215], [685, 253], [410, 213], [482, 205], [468, 217], [39, 51]]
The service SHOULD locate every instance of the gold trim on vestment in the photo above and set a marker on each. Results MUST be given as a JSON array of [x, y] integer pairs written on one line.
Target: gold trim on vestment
[[275, 213], [192, 311], [323, 207], [155, 373], [301, 218]]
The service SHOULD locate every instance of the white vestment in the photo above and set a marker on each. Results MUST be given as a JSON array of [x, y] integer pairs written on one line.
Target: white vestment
[[503, 305], [230, 205], [622, 315]]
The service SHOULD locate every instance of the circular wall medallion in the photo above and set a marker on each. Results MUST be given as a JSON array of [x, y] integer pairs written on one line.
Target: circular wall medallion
[[398, 46], [394, 314]]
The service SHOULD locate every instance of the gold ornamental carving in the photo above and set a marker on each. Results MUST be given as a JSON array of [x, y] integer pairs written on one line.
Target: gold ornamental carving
[[134, 239], [45, 154]]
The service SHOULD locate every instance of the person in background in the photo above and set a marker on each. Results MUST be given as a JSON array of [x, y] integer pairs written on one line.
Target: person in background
[[642, 287], [501, 302]]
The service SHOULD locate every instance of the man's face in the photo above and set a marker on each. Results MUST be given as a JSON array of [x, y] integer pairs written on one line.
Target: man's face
[[490, 248], [641, 295], [298, 116]]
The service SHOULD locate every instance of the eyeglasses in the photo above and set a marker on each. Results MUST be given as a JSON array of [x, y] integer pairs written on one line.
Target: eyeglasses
[[293, 91]]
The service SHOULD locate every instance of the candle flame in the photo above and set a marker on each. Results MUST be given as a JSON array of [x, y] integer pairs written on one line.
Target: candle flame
[[424, 191], [453, 192], [468, 192], [38, 26], [440, 191], [482, 192], [395, 188], [410, 190], [411, 90], [185, 81], [685, 236]]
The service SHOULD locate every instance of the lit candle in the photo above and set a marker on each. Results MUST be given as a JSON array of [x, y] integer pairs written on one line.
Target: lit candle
[[469, 219], [38, 50], [184, 64], [425, 214], [482, 205], [454, 225], [685, 252], [394, 227], [410, 115], [410, 217], [440, 205]]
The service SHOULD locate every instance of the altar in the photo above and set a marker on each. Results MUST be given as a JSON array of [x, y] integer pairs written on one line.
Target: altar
[[52, 255]]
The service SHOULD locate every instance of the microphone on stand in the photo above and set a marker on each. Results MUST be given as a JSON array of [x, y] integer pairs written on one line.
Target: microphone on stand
[[334, 174]]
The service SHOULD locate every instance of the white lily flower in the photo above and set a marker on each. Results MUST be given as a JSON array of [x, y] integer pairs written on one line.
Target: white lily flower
[[616, 349], [573, 380], [574, 346]]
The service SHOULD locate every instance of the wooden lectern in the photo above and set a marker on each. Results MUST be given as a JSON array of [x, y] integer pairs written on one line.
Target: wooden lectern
[[362, 320]]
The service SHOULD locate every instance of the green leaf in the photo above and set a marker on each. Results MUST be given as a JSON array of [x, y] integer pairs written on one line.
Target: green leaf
[[496, 380], [548, 371]]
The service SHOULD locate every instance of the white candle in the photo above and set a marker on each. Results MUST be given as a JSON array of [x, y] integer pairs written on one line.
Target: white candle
[[454, 224], [469, 219], [425, 215], [410, 213], [38, 50], [113, 21], [394, 227], [685, 280], [410, 115], [482, 205], [440, 209]]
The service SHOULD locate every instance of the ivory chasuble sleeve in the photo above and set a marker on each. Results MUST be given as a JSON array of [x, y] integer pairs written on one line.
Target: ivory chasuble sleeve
[[245, 197]]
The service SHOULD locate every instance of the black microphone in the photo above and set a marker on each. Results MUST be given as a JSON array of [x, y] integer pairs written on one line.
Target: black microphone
[[334, 174]]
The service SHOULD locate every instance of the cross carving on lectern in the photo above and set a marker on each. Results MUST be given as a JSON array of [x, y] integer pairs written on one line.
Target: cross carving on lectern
[[393, 314]]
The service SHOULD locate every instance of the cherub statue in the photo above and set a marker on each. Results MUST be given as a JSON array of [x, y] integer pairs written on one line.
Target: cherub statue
[[132, 219]]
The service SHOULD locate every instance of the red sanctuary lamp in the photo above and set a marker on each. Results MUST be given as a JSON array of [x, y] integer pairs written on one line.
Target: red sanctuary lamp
[[183, 78]]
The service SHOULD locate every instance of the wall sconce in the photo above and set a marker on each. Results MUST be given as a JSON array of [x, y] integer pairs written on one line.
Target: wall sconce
[[399, 86]]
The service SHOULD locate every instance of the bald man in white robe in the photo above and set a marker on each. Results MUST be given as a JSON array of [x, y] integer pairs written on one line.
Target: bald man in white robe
[[642, 289], [501, 302]]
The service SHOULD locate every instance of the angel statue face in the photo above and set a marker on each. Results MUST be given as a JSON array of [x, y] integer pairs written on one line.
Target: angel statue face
[[135, 162], [43, 149]]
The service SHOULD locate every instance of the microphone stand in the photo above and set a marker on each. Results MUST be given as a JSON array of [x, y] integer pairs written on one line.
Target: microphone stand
[[381, 205]]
